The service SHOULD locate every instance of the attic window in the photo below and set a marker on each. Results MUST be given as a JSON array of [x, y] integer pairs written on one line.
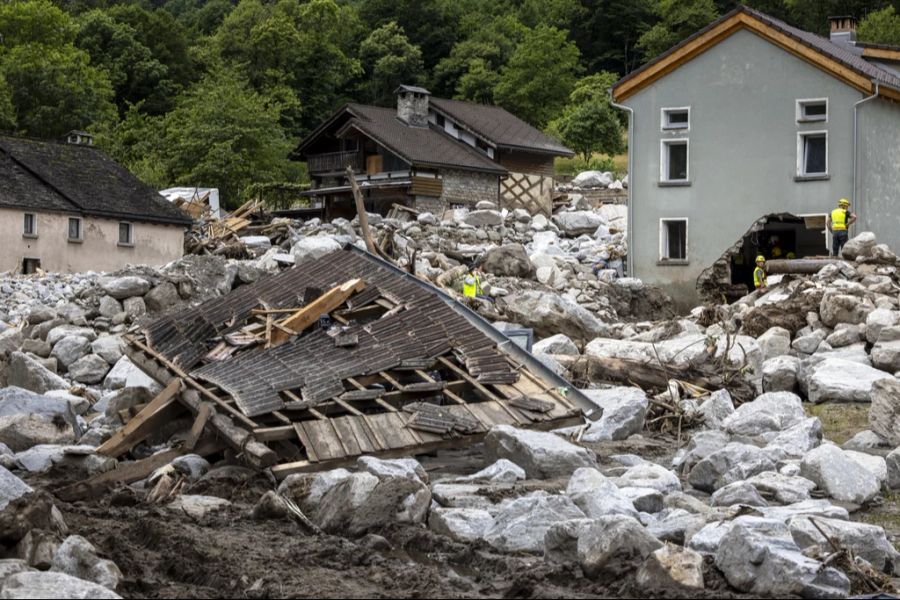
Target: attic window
[[440, 120], [811, 111], [30, 228], [126, 234], [75, 233], [676, 118]]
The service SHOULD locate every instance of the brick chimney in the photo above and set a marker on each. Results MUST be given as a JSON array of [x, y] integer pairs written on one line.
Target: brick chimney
[[412, 105], [843, 30]]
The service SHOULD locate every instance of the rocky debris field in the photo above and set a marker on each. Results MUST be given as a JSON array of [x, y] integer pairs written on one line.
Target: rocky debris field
[[707, 479]]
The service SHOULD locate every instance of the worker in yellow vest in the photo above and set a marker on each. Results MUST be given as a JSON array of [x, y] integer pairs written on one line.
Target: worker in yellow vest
[[472, 284], [759, 273], [838, 223]]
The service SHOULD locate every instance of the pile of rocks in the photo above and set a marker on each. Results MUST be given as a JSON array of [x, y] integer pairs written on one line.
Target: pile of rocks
[[587, 180]]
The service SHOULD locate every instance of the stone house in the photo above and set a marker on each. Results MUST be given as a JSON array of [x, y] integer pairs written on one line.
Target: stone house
[[430, 154], [67, 207], [752, 129]]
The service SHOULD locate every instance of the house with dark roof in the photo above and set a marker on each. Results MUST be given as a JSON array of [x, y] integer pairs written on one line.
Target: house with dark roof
[[744, 136], [67, 207], [431, 154]]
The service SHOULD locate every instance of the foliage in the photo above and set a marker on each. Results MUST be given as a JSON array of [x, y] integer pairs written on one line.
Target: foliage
[[881, 27], [678, 20], [588, 123], [389, 60], [578, 164], [539, 76]]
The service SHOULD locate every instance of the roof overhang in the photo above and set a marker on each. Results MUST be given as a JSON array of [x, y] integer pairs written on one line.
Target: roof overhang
[[736, 21], [533, 150]]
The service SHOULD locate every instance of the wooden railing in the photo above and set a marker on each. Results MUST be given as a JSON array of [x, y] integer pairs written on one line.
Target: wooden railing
[[334, 161]]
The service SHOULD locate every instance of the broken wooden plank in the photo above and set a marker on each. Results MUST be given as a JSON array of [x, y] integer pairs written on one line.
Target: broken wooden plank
[[143, 424], [200, 421], [310, 313]]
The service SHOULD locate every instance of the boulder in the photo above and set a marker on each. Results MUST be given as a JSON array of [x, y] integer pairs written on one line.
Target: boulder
[[593, 179], [759, 556], [578, 222], [198, 507], [22, 431], [677, 526], [859, 245], [521, 524], [645, 500], [734, 462], [716, 409], [63, 331], [78, 557], [838, 474], [779, 374], [878, 319], [37, 347], [739, 492], [397, 467], [501, 471], [671, 566], [770, 412], [126, 374], [134, 307], [549, 313], [805, 508], [108, 347], [884, 412], [508, 261], [89, 369], [809, 343], [892, 461], [465, 495], [876, 465], [839, 380], [797, 440], [109, 307], [702, 444], [597, 496], [774, 342], [49, 584], [843, 308], [460, 524], [557, 344], [865, 541], [307, 248], [844, 334], [561, 540], [649, 475], [611, 544], [865, 440], [163, 297], [125, 287], [483, 218], [540, 454], [69, 349], [624, 409], [784, 489], [886, 356]]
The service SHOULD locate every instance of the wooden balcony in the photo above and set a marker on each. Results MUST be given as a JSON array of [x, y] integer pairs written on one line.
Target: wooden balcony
[[332, 162]]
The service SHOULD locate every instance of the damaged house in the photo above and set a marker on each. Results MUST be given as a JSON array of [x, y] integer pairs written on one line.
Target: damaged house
[[430, 154], [67, 207], [751, 129], [338, 357]]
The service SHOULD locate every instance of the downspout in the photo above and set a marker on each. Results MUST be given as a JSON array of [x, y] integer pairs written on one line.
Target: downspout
[[631, 245], [855, 191]]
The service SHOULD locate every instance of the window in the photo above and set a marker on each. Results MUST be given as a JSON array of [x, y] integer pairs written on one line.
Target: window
[[75, 229], [676, 118], [673, 240], [811, 111], [440, 121], [125, 234], [674, 161], [812, 154], [30, 228]]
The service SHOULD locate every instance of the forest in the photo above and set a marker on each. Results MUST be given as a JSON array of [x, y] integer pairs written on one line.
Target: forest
[[219, 92]]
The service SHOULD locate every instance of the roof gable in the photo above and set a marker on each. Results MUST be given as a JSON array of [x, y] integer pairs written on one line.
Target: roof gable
[[851, 68]]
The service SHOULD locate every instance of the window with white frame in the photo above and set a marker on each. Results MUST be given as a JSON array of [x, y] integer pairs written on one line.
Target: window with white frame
[[676, 118], [673, 239], [75, 233], [30, 225], [812, 111], [812, 153], [126, 232], [673, 163]]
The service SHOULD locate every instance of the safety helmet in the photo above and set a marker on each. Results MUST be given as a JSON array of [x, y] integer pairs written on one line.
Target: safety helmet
[[760, 258], [791, 256], [776, 252], [844, 202]]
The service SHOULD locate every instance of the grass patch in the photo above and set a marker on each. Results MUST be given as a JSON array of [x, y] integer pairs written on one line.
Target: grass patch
[[617, 164], [840, 422]]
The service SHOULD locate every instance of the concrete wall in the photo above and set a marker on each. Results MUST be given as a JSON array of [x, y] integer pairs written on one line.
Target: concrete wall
[[878, 199], [154, 244], [742, 96], [469, 187]]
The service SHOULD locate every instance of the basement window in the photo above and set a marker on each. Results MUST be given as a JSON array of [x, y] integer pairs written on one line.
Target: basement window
[[676, 118], [75, 232], [812, 154], [812, 111], [30, 226], [673, 162], [126, 231], [673, 241]]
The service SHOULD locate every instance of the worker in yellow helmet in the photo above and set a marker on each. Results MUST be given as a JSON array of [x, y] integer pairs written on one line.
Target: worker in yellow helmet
[[472, 283], [759, 273], [838, 223]]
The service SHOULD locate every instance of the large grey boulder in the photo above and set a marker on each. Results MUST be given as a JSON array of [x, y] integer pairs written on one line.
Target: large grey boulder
[[63, 331], [784, 489], [611, 544], [844, 334], [739, 492], [715, 409], [596, 495], [734, 462], [865, 541], [624, 410], [837, 473], [561, 540], [671, 566], [109, 307], [198, 507], [70, 348], [879, 319], [126, 374], [15, 400], [702, 444], [797, 440], [483, 218], [557, 344], [779, 374], [649, 475], [460, 524], [502, 471], [809, 343], [892, 461], [770, 412], [843, 308], [575, 223], [805, 508], [884, 412], [549, 313], [839, 380], [593, 179], [78, 557], [542, 455], [125, 287], [886, 356], [89, 369], [774, 342], [307, 248], [22, 431], [759, 556], [397, 467], [108, 347], [521, 524], [876, 465], [859, 245], [163, 297], [508, 261], [49, 584]]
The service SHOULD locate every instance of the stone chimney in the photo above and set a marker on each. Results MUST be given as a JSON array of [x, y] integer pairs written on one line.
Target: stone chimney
[[843, 30], [412, 105], [80, 138]]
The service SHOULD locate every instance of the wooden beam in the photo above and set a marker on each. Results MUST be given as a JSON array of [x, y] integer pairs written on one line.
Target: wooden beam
[[143, 424], [483, 391], [361, 211], [270, 434], [310, 313], [200, 421]]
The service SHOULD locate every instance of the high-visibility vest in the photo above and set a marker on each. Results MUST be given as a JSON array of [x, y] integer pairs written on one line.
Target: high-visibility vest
[[471, 285], [759, 277], [839, 219]]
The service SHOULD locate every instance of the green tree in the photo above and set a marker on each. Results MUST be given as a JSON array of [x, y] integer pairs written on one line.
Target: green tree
[[430, 25], [881, 27], [167, 39], [389, 59], [539, 76], [678, 19], [608, 32], [7, 111], [588, 123], [224, 134]]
